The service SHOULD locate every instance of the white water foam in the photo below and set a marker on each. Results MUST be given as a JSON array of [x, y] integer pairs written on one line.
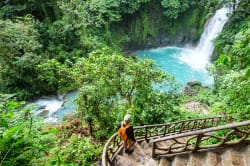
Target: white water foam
[[198, 58], [52, 104]]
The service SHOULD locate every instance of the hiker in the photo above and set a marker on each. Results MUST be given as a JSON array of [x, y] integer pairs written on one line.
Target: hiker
[[126, 134]]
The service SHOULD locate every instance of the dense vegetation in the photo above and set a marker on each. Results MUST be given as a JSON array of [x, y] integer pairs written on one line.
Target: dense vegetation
[[49, 47], [231, 71]]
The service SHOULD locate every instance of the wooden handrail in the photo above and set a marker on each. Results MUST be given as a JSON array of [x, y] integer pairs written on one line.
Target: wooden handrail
[[174, 147], [138, 127], [113, 146]]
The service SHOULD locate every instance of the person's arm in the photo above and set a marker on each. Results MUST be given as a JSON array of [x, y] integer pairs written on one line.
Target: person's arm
[[133, 134]]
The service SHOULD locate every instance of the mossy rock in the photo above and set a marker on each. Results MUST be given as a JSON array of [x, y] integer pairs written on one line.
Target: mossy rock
[[194, 83]]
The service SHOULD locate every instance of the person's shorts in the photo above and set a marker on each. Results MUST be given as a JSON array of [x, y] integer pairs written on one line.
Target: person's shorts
[[130, 142]]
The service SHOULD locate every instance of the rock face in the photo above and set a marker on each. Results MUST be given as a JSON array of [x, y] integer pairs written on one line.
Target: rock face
[[149, 29], [232, 156]]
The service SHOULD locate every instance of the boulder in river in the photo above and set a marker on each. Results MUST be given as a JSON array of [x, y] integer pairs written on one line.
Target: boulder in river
[[43, 113], [192, 88], [194, 83]]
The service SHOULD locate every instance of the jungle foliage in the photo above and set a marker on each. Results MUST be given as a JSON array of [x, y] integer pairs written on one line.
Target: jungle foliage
[[231, 71], [56, 46], [25, 140], [113, 86], [37, 33]]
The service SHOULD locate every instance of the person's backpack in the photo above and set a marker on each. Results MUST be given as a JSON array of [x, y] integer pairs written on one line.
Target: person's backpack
[[122, 132]]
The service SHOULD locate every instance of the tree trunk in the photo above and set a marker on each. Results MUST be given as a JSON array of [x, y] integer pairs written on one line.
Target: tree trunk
[[90, 128], [129, 103]]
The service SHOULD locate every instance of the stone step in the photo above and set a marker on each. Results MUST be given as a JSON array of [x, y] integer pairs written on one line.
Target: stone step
[[151, 162], [180, 160], [165, 162], [196, 159], [213, 159], [131, 160], [146, 147], [231, 156], [244, 152]]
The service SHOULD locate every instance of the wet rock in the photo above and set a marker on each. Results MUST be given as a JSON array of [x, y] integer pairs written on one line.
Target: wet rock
[[193, 83], [43, 113], [192, 88], [41, 107], [61, 96]]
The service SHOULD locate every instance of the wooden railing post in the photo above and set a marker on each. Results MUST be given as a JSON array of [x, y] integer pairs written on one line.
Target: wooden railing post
[[169, 129], [153, 150], [108, 159], [196, 145], [212, 122], [165, 128], [218, 121], [181, 127], [146, 134], [204, 124], [195, 123]]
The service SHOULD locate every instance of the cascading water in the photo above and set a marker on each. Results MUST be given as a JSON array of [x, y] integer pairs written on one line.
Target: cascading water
[[54, 108], [199, 57], [47, 107]]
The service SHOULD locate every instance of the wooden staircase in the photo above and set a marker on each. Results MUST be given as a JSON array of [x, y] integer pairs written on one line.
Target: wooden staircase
[[194, 142]]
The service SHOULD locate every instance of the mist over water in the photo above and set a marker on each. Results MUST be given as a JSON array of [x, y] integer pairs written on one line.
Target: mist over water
[[198, 58]]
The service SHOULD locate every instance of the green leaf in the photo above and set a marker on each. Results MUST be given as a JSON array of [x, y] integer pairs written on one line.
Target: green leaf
[[54, 131], [50, 131], [9, 133], [247, 75]]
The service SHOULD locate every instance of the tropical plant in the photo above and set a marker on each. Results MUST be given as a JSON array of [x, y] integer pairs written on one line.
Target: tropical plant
[[112, 85]]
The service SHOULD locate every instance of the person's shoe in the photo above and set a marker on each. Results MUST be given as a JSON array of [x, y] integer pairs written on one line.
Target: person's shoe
[[131, 151], [126, 151]]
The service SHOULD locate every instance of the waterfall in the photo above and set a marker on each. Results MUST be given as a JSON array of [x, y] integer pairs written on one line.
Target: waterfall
[[198, 58]]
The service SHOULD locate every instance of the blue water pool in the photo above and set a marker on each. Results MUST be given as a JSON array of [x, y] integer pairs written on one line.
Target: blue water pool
[[175, 61]]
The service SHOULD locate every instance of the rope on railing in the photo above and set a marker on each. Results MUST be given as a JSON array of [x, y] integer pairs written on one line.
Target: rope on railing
[[200, 140], [113, 146]]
